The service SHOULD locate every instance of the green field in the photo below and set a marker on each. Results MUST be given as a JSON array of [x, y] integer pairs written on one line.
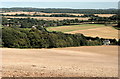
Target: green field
[[75, 27]]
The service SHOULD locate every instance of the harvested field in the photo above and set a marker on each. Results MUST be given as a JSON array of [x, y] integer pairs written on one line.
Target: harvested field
[[93, 30], [41, 13], [96, 61], [105, 15], [104, 32], [51, 18], [14, 13], [74, 27], [38, 13]]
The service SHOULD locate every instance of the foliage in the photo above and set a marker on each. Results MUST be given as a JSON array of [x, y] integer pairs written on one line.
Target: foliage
[[35, 38], [14, 38], [29, 22], [55, 10], [52, 15]]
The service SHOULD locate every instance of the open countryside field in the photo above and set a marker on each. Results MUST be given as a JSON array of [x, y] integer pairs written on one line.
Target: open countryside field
[[41, 13], [104, 15], [14, 13], [38, 13], [96, 61], [51, 18], [93, 30]]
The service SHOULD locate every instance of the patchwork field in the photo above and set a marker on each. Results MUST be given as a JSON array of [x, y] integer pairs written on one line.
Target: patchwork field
[[96, 61], [41, 13], [104, 15], [38, 13], [51, 18], [93, 30]]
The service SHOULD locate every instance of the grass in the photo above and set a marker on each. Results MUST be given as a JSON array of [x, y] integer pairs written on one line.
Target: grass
[[74, 27], [93, 30]]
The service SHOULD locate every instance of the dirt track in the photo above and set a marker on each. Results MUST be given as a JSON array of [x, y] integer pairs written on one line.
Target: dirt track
[[100, 61]]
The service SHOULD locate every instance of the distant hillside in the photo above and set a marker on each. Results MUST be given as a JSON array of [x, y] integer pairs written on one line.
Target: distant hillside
[[56, 10]]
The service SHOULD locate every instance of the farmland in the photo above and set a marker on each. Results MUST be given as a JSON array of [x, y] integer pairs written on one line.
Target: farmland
[[96, 61], [50, 18], [59, 42], [104, 15], [94, 30], [41, 13], [38, 13]]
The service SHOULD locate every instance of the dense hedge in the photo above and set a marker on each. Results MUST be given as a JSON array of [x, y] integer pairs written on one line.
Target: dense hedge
[[29, 22], [34, 38], [52, 15]]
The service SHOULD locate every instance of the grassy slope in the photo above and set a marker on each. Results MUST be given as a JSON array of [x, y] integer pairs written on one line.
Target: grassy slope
[[93, 30], [74, 27]]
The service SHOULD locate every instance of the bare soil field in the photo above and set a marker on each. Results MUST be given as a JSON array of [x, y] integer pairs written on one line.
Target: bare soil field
[[86, 61], [51, 18]]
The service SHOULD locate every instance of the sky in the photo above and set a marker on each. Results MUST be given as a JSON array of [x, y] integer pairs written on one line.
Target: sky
[[75, 4], [59, 0]]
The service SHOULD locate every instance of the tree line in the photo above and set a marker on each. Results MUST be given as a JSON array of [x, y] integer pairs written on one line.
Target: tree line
[[38, 38], [29, 22], [56, 10], [103, 20], [52, 15], [20, 34]]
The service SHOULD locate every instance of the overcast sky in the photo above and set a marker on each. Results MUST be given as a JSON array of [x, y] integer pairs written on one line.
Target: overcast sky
[[59, 0]]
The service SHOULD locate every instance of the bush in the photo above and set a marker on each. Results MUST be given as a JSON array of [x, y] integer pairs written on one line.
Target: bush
[[14, 38], [35, 38]]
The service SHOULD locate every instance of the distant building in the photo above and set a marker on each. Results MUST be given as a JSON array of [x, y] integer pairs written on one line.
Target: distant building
[[34, 27], [106, 42]]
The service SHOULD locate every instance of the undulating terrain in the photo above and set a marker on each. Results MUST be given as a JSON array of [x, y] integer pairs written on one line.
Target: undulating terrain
[[93, 30], [38, 42], [86, 61]]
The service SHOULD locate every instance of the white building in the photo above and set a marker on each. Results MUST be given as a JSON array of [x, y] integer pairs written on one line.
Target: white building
[[106, 42], [34, 27]]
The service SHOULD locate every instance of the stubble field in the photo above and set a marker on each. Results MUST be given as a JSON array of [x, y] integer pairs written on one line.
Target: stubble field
[[50, 18], [96, 61], [41, 13], [93, 30]]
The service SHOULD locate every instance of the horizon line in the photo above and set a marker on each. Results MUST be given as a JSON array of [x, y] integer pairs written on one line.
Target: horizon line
[[58, 8]]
